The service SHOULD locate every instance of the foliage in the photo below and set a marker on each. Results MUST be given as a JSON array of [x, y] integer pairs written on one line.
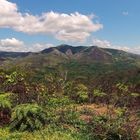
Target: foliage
[[135, 95], [77, 92], [48, 133], [68, 115], [5, 108], [98, 95], [120, 112], [5, 102], [28, 117], [60, 93], [138, 133], [104, 127], [58, 102]]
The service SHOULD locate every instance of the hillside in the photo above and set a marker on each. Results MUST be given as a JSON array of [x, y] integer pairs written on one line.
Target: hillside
[[70, 93], [101, 66], [91, 54]]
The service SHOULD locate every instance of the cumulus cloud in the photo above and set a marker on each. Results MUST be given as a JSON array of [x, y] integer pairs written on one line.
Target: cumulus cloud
[[65, 27], [11, 45], [107, 44], [101, 43], [11, 42], [15, 45]]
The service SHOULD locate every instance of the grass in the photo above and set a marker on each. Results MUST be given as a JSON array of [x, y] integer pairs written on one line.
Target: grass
[[48, 133]]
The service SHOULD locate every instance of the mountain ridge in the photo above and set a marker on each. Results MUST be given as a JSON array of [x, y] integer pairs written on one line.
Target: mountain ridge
[[88, 54]]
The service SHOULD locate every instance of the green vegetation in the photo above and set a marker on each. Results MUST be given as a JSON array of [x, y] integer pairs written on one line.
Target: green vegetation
[[58, 108], [5, 102], [53, 97], [28, 117]]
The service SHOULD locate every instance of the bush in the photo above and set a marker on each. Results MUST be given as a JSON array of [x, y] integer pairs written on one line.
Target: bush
[[5, 101], [5, 108], [68, 116], [138, 133], [28, 117], [55, 102], [77, 92], [104, 127]]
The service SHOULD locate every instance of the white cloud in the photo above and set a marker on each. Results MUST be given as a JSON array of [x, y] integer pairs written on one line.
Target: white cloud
[[11, 45], [73, 36], [101, 43], [39, 47], [107, 44], [135, 50], [11, 42], [16, 45], [66, 27]]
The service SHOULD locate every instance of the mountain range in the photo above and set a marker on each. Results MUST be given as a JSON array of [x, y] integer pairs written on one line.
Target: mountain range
[[64, 52]]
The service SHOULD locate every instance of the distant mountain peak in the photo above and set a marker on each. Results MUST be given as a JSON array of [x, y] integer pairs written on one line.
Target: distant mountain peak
[[88, 54]]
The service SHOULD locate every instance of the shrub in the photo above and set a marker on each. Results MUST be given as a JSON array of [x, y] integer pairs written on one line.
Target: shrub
[[77, 92], [5, 108], [98, 95], [68, 116], [104, 127], [28, 117], [59, 102], [138, 133], [5, 101]]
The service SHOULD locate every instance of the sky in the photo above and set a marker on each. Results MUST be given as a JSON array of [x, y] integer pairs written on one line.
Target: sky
[[33, 25]]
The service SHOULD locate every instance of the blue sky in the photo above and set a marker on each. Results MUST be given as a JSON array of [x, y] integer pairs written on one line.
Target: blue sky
[[107, 23]]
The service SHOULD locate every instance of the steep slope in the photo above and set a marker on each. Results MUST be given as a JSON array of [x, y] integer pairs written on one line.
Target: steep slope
[[74, 49], [66, 49], [94, 54], [82, 53], [121, 54]]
